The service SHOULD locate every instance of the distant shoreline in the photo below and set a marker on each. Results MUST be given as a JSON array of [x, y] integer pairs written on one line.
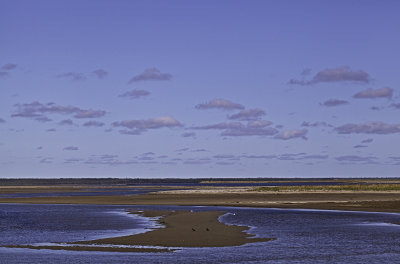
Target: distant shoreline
[[347, 201], [353, 194]]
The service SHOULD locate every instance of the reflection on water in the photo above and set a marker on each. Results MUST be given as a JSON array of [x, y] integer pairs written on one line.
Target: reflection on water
[[302, 236]]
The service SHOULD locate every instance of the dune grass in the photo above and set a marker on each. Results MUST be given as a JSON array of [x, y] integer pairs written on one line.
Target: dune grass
[[315, 188]]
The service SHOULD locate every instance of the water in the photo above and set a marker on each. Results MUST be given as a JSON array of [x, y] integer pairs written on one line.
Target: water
[[303, 236], [88, 192]]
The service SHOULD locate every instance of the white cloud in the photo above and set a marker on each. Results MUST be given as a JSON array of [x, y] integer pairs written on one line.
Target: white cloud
[[151, 74], [134, 94], [220, 104], [385, 92], [93, 124], [100, 73], [290, 134], [334, 102], [248, 114], [136, 127], [73, 76], [369, 128], [341, 74]]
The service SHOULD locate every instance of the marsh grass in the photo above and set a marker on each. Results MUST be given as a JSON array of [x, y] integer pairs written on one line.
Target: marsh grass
[[317, 188]]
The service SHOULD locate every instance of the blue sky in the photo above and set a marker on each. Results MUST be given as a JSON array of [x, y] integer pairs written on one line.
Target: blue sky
[[199, 88]]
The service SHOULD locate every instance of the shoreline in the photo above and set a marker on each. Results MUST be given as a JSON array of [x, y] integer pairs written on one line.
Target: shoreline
[[344, 201]]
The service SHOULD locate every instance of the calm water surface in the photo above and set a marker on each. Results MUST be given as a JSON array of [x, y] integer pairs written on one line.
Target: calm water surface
[[302, 236]]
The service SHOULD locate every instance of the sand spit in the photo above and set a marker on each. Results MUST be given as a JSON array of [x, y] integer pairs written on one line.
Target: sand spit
[[181, 229], [186, 229]]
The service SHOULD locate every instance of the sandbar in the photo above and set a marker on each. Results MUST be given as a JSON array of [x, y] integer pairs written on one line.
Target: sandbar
[[186, 229], [180, 229]]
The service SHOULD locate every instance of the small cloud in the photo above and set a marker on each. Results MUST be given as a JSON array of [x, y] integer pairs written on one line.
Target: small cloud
[[291, 156], [291, 134], [253, 128], [196, 162], [385, 92], [224, 156], [73, 76], [247, 114], [100, 73], [234, 129], [397, 106], [341, 74], [199, 150], [224, 125], [379, 128], [46, 160], [334, 102], [51, 130], [8, 67], [188, 134], [90, 113], [247, 131], [224, 163], [93, 124], [36, 110], [317, 156], [368, 140], [71, 148], [136, 127], [375, 108], [259, 156], [315, 124], [150, 153], [39, 148], [220, 104], [357, 159], [360, 146], [4, 74], [73, 160], [134, 94], [152, 74], [66, 122], [182, 149], [258, 124], [2, 120], [42, 119]]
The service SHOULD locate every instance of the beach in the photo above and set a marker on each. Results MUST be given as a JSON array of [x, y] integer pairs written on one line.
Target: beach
[[373, 201]]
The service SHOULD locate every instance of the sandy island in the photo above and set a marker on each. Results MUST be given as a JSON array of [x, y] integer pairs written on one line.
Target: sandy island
[[181, 229]]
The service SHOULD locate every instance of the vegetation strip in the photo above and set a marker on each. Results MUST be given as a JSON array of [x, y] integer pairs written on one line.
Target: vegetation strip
[[354, 188]]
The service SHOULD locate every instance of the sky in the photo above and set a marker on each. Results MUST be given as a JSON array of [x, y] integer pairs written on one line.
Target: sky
[[188, 89]]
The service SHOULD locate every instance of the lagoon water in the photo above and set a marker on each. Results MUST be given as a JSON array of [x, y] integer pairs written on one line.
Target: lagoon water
[[302, 236]]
